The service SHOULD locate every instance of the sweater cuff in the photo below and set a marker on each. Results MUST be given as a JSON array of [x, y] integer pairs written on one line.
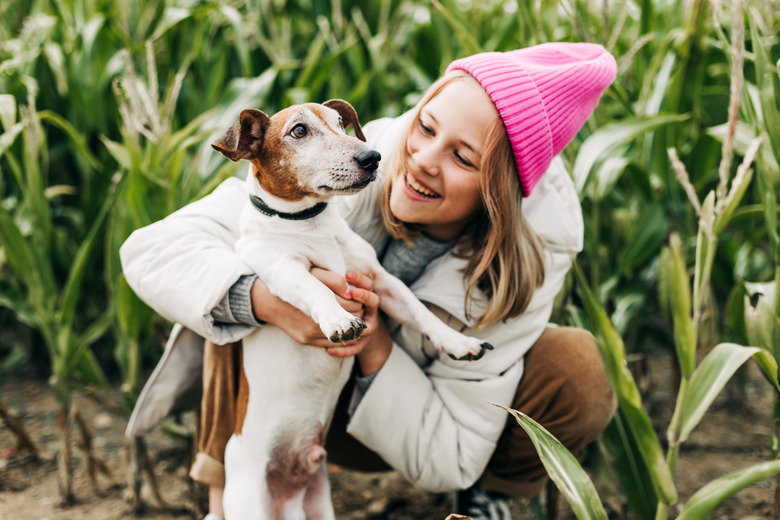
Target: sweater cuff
[[361, 387], [240, 299], [236, 306]]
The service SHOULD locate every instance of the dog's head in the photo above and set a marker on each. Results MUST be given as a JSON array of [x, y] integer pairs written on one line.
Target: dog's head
[[303, 151]]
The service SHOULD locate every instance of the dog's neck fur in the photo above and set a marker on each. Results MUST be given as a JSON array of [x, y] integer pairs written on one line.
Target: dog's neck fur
[[278, 204]]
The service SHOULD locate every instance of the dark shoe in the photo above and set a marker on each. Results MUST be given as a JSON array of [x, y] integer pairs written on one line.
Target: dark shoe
[[482, 505]]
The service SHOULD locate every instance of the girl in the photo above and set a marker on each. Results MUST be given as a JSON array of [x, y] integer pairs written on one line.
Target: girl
[[482, 221]]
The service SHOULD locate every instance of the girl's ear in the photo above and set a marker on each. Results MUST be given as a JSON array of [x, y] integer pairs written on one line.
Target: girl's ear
[[242, 140], [348, 115]]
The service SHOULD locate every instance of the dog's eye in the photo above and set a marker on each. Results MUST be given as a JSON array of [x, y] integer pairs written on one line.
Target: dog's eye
[[299, 131]]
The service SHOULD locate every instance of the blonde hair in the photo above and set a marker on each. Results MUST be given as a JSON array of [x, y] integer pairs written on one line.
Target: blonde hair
[[505, 259]]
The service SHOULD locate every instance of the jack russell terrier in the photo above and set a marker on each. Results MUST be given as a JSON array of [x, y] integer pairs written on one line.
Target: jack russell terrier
[[301, 157]]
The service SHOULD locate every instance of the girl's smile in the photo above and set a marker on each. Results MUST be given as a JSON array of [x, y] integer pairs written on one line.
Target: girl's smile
[[437, 186], [418, 189]]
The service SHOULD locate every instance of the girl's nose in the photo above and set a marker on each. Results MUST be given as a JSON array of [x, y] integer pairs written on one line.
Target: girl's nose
[[427, 159]]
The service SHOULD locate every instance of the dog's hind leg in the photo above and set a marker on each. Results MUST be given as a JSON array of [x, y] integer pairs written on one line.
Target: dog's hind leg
[[316, 501]]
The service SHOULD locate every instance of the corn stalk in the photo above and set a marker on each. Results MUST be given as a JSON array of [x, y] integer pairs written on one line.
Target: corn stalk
[[48, 305]]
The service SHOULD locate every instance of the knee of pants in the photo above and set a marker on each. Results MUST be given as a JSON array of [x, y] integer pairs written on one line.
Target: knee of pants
[[569, 358]]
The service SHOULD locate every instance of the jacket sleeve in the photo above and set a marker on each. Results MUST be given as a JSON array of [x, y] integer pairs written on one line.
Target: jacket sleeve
[[182, 266], [435, 423]]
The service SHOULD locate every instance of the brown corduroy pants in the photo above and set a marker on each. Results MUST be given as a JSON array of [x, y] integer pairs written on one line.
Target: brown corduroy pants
[[563, 387]]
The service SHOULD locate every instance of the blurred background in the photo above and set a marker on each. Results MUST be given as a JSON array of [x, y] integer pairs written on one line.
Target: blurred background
[[107, 109]]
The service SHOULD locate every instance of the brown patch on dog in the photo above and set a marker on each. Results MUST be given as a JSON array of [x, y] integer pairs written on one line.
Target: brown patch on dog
[[260, 139], [348, 115], [245, 138], [279, 181], [242, 399]]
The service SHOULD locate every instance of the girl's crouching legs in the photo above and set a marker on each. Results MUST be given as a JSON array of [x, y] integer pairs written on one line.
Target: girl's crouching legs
[[221, 372], [565, 389]]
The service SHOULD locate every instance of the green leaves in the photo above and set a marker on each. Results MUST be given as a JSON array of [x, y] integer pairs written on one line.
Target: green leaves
[[711, 376], [593, 173], [630, 402], [705, 500], [677, 288], [563, 469]]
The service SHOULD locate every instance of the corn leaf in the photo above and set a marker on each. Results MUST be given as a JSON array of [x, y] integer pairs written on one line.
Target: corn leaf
[[646, 241], [679, 293], [9, 136], [119, 152], [466, 39], [7, 111], [705, 500], [80, 347], [724, 217], [766, 80], [604, 142], [76, 138], [705, 249], [711, 376], [563, 469], [88, 369], [614, 356], [72, 289], [630, 468], [24, 313], [22, 258]]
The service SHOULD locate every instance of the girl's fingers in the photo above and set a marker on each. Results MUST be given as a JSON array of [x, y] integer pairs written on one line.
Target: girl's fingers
[[333, 281], [350, 349], [360, 280], [365, 297]]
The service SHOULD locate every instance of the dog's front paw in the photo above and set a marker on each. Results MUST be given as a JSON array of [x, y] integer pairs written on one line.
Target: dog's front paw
[[345, 330], [468, 349], [471, 356]]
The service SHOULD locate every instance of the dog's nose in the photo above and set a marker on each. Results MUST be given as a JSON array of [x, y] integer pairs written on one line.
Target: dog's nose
[[368, 160]]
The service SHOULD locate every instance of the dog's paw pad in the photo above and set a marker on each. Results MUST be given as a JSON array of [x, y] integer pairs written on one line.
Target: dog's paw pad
[[349, 332], [473, 354]]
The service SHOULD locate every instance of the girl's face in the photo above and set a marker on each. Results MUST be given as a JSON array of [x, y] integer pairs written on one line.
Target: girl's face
[[438, 186]]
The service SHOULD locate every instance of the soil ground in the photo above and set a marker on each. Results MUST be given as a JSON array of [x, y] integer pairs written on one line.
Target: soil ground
[[733, 435]]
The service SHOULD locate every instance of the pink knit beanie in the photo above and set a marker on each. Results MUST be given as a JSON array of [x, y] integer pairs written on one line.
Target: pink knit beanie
[[543, 94]]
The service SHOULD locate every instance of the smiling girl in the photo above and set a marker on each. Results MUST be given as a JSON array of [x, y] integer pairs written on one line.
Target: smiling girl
[[481, 219]]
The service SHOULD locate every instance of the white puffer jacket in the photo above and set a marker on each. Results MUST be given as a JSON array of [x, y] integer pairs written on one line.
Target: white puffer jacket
[[429, 417]]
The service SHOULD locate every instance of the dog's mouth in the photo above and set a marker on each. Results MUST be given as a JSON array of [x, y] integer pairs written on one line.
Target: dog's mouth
[[351, 188]]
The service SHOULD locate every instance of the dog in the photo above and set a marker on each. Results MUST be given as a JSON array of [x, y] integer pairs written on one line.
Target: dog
[[301, 157]]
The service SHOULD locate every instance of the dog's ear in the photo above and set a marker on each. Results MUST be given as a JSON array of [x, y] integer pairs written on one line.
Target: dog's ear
[[348, 115], [245, 138]]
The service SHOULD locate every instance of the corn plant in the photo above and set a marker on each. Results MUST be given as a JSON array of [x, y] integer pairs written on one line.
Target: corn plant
[[153, 159], [700, 382], [755, 311], [32, 247]]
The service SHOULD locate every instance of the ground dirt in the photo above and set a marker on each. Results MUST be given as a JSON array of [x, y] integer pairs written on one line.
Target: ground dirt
[[733, 435]]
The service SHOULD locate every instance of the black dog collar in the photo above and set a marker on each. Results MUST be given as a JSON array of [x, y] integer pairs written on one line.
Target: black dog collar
[[308, 213]]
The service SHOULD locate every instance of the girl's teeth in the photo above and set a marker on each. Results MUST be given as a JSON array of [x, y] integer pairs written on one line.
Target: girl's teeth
[[418, 188]]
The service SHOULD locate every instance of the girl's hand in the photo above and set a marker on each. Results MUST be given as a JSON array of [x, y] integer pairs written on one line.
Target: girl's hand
[[300, 327]]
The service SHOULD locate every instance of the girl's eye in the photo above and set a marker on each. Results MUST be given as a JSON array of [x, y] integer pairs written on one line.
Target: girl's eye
[[299, 131], [463, 160], [425, 129]]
